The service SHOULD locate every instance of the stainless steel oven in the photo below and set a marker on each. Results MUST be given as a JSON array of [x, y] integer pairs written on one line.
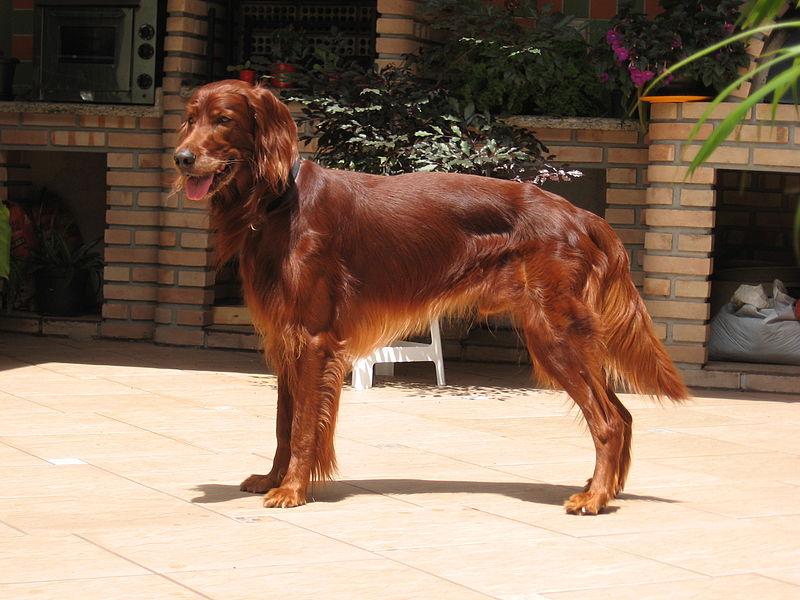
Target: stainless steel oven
[[103, 51]]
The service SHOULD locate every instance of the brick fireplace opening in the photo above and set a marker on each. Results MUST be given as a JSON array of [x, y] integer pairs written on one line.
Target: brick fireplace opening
[[64, 191], [78, 179], [753, 234], [729, 222]]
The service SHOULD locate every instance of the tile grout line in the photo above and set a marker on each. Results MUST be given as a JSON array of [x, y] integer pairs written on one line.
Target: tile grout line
[[167, 494], [378, 554], [141, 566]]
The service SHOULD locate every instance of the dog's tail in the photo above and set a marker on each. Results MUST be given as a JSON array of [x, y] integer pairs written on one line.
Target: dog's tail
[[636, 357]]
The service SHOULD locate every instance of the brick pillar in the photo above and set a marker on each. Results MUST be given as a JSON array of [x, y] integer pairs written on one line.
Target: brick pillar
[[626, 176], [678, 244], [399, 30], [133, 180], [184, 295]]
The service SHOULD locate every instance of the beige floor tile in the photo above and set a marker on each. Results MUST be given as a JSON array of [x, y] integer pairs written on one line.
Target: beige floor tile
[[771, 408], [451, 492], [756, 467], [643, 473], [143, 587], [779, 436], [14, 457], [738, 499], [378, 579], [657, 443], [225, 544], [48, 480], [748, 547], [82, 405], [630, 513], [33, 382], [735, 587], [679, 417], [322, 497], [787, 575], [49, 557], [102, 445], [523, 569], [7, 531], [387, 528], [55, 423], [100, 510]]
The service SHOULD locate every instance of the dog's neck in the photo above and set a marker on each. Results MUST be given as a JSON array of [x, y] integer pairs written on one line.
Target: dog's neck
[[276, 202]]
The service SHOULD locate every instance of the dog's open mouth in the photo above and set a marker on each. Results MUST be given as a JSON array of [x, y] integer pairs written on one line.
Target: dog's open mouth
[[198, 188]]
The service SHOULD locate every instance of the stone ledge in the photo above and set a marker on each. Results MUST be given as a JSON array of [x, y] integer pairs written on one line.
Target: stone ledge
[[604, 124], [76, 108]]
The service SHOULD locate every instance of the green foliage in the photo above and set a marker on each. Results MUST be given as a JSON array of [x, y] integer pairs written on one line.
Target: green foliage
[[392, 122], [511, 60], [55, 253], [636, 49]]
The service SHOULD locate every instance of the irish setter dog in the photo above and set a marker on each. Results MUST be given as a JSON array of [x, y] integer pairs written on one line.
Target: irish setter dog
[[336, 263]]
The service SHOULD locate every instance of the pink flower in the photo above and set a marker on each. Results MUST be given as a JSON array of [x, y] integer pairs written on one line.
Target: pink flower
[[621, 54], [603, 77], [639, 77], [612, 35]]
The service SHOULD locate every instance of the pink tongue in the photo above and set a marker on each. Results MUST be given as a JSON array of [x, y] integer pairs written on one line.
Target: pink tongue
[[197, 187]]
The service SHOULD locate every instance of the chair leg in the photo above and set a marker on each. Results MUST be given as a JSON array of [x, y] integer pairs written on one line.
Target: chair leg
[[362, 374]]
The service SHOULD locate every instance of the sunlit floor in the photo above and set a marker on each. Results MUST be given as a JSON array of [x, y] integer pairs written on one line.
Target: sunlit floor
[[120, 464]]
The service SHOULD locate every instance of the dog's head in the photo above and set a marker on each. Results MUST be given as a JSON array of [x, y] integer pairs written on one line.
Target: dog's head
[[234, 135]]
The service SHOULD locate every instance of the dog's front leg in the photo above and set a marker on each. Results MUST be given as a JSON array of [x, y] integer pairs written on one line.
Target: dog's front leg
[[315, 384], [258, 484]]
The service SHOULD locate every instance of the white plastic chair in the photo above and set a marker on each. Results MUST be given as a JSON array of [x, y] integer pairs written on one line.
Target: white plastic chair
[[383, 359]]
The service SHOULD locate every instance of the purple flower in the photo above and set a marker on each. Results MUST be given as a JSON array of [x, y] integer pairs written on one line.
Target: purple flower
[[668, 79], [639, 77], [675, 43], [612, 35], [621, 53], [603, 77], [729, 27]]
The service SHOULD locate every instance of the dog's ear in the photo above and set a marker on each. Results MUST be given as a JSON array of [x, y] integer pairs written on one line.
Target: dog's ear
[[275, 139]]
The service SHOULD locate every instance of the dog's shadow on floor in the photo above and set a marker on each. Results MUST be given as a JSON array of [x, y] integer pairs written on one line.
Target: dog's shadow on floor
[[336, 491]]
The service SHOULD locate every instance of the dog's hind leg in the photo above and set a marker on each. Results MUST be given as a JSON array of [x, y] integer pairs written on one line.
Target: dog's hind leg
[[258, 484], [315, 381], [562, 337]]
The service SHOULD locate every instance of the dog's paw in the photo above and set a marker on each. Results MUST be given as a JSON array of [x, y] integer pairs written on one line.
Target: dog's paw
[[258, 484], [284, 498], [586, 503]]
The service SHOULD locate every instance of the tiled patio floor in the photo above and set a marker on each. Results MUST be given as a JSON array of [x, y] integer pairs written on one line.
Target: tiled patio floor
[[120, 464]]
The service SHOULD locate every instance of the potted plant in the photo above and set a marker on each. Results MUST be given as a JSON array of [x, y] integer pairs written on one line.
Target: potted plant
[[288, 53], [246, 71], [63, 275], [636, 49]]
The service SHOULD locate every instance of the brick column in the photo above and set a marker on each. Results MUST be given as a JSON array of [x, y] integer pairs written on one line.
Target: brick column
[[133, 178], [678, 244], [185, 277], [626, 159], [399, 31]]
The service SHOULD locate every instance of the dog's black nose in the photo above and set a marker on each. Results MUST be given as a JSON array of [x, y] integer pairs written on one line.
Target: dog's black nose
[[184, 158]]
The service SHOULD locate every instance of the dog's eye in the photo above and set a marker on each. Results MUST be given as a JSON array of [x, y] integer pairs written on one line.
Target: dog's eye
[[223, 120], [190, 120]]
